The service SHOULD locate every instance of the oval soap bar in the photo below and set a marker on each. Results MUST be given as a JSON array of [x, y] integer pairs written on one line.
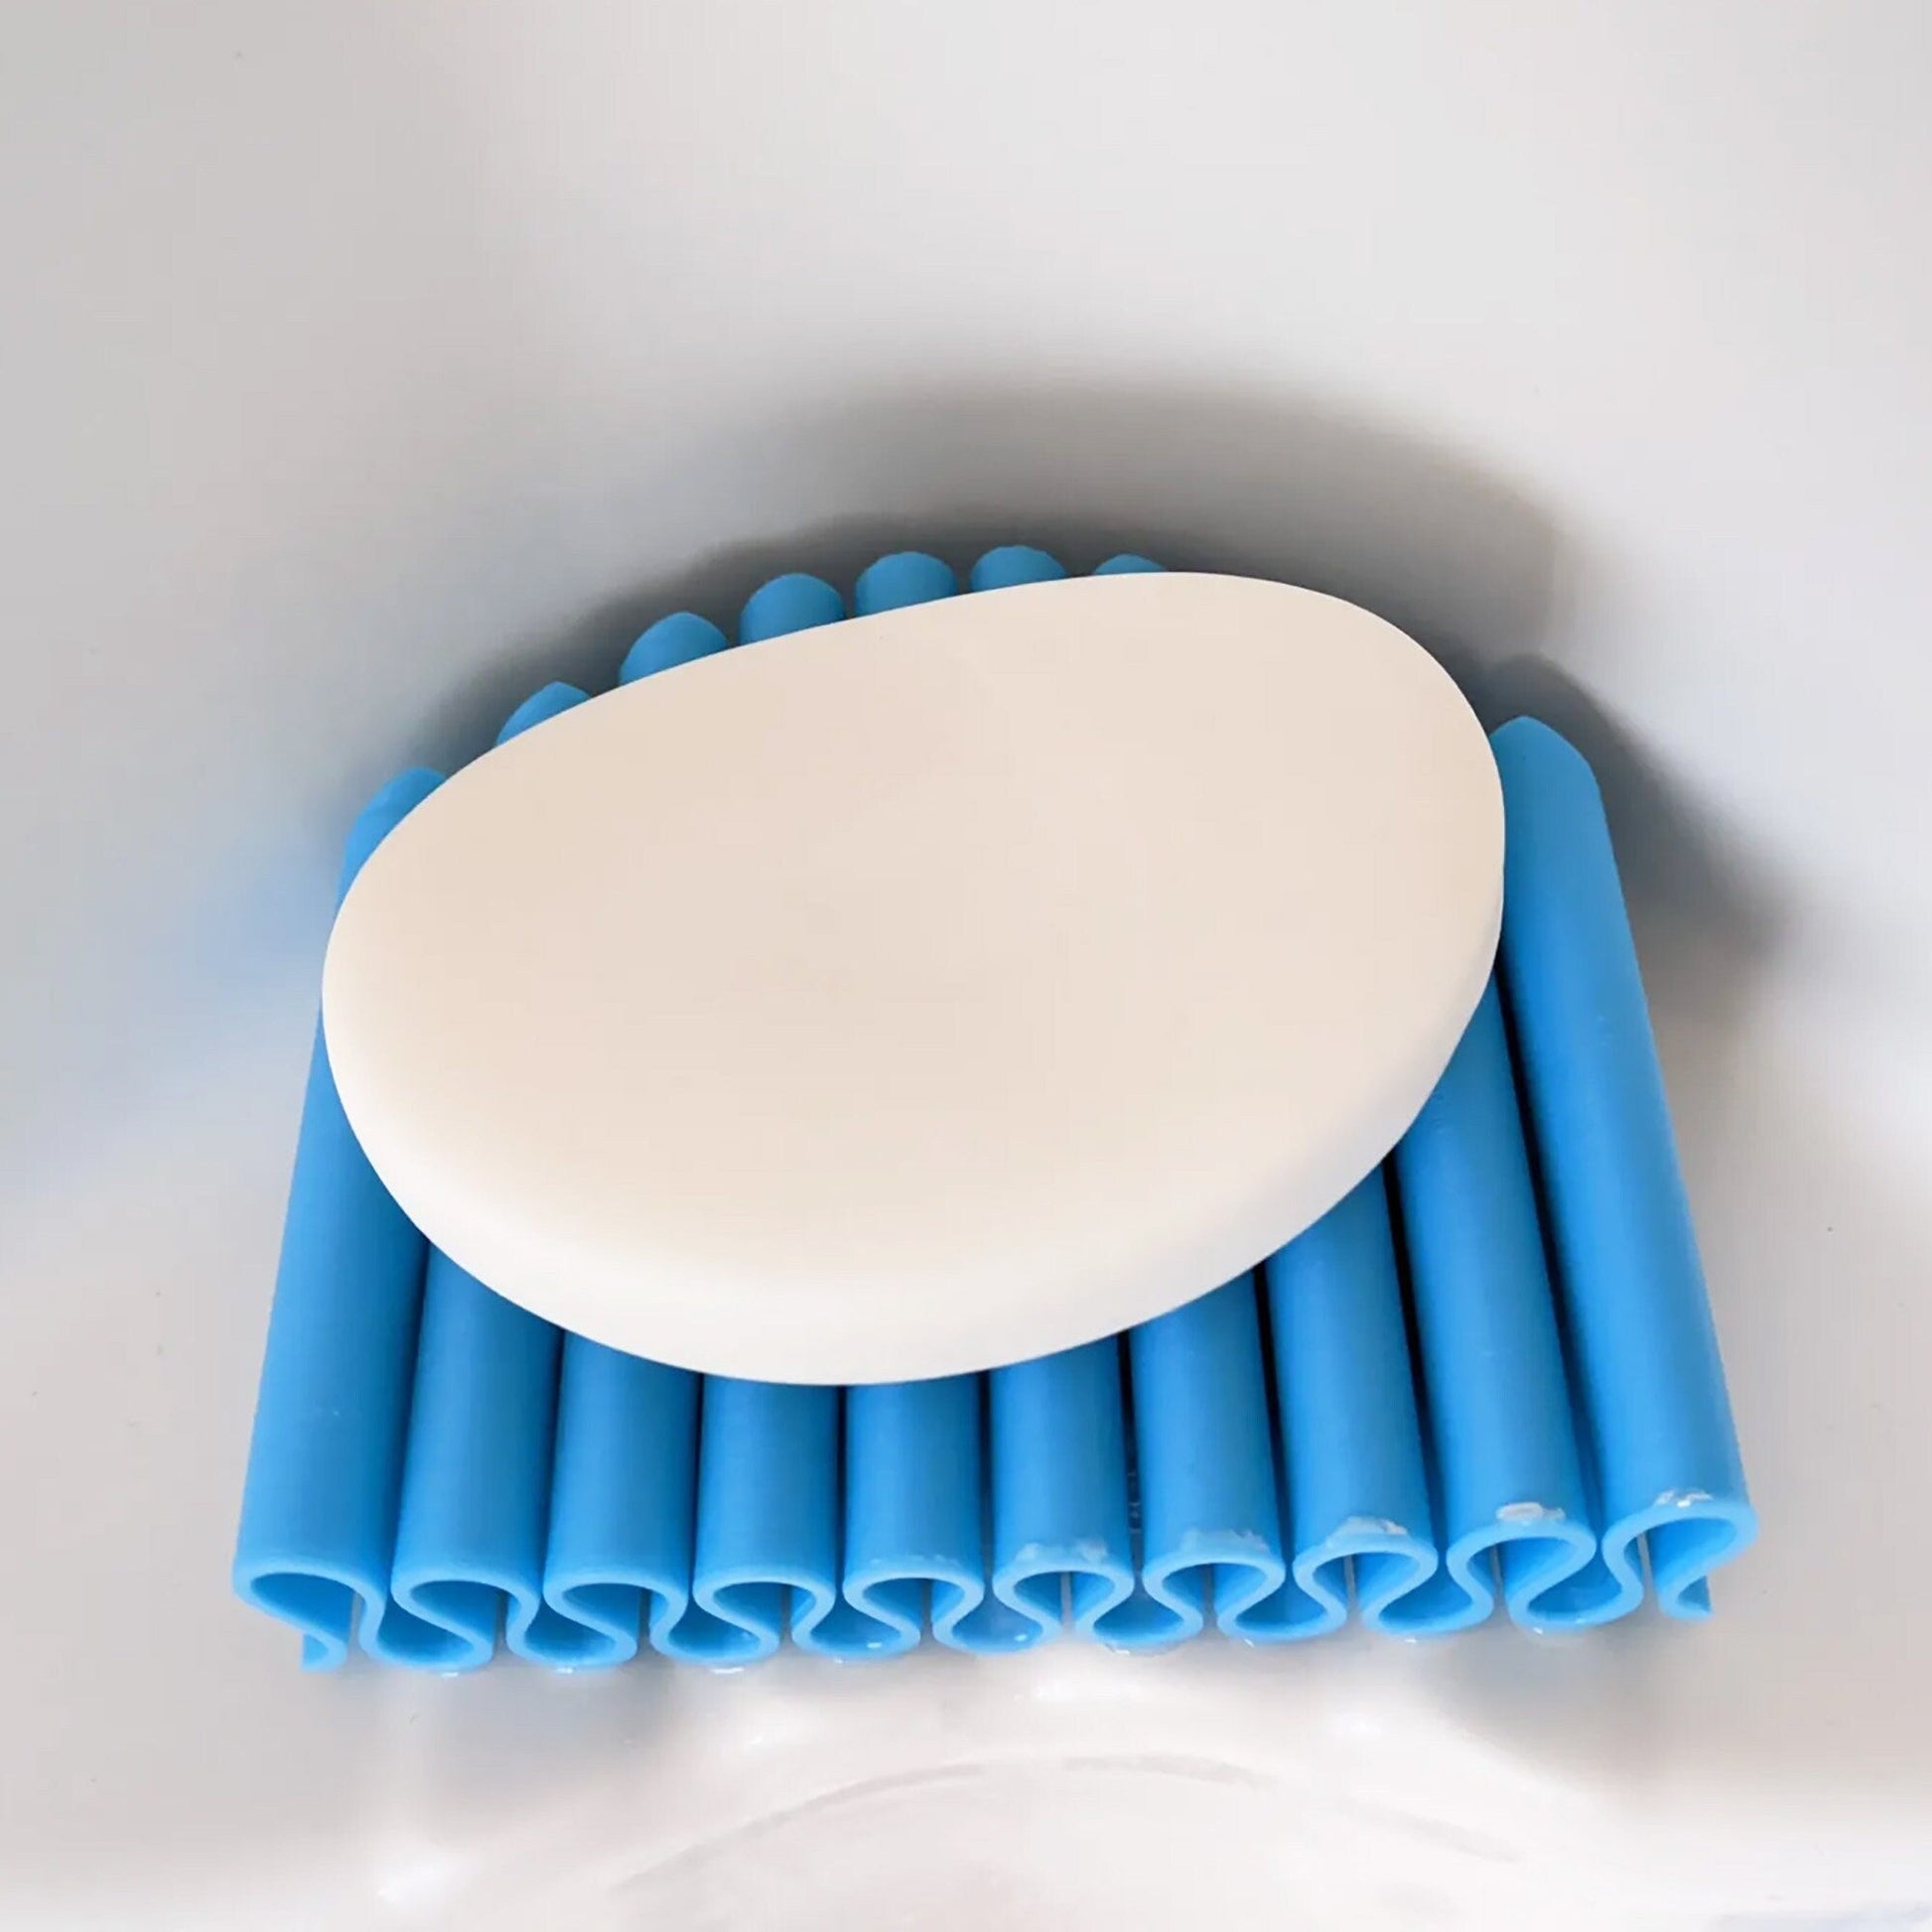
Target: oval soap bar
[[932, 990]]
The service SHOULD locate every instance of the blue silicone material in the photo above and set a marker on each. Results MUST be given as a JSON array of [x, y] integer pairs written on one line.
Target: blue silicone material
[[619, 1564], [1354, 1475], [1487, 1375], [1655, 1419], [791, 603], [325, 1468], [1209, 1520], [680, 638], [1062, 1541], [767, 1557], [905, 577], [476, 1485], [1014, 563], [475, 1481], [1506, 1477]]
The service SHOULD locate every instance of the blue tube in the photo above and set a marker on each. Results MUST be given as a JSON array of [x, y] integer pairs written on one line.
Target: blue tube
[[1353, 1477], [1062, 1541], [319, 1509], [476, 1490], [1014, 563], [622, 1502], [1210, 1524], [768, 1534], [1650, 1381], [915, 1534], [795, 601], [905, 577], [1507, 1475], [680, 638], [539, 706], [475, 1482], [624, 1475]]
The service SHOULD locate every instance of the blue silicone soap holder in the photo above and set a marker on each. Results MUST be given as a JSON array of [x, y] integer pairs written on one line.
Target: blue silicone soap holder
[[1489, 1374]]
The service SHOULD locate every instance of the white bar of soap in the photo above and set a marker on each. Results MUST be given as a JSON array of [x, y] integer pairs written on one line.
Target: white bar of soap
[[932, 990]]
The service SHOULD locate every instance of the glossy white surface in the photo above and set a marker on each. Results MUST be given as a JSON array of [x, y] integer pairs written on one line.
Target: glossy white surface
[[366, 366], [932, 991]]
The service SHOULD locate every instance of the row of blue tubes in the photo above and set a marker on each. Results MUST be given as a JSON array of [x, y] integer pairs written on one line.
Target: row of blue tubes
[[1488, 1372]]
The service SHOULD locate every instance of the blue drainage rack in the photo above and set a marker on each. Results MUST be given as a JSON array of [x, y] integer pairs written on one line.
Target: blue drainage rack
[[1489, 1374]]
